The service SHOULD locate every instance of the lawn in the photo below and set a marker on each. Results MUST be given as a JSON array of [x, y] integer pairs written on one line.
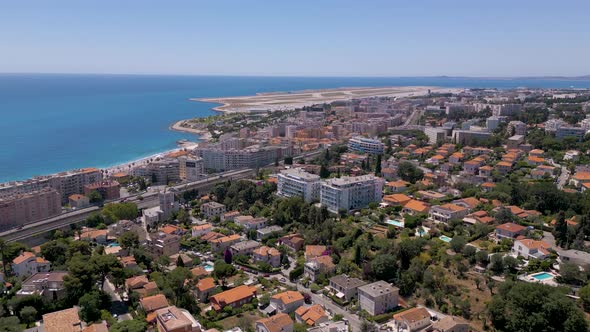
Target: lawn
[[244, 321]]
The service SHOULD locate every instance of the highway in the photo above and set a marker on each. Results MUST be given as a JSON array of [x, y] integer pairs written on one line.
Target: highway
[[143, 200]]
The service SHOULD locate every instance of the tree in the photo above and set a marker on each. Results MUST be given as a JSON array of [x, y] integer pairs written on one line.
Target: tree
[[458, 243], [357, 255], [179, 261], [324, 172], [104, 265], [384, 267], [227, 256], [482, 257], [585, 297], [90, 306], [222, 270], [521, 306], [3, 253], [95, 197], [571, 274], [128, 240], [378, 166], [497, 263], [409, 172], [10, 324], [134, 325], [118, 211], [28, 314]]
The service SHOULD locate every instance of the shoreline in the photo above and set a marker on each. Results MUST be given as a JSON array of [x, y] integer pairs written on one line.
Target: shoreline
[[282, 101]]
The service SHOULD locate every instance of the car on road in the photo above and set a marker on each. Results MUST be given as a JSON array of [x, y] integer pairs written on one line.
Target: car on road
[[283, 280]]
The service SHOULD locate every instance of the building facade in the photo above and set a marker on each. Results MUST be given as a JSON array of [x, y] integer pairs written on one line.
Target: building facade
[[349, 193], [298, 183]]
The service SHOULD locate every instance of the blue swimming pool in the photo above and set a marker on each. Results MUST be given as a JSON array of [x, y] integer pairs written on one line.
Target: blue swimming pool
[[208, 267], [395, 223], [113, 244], [445, 238], [542, 276]]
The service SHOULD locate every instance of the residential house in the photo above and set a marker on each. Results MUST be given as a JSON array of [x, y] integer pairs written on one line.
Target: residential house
[[134, 283], [122, 226], [485, 171], [78, 201], [204, 288], [315, 266], [128, 262], [414, 319], [536, 153], [267, 232], [487, 186], [415, 207], [450, 324], [152, 303], [187, 260], [396, 199], [242, 220], [287, 302], [235, 297], [468, 202], [311, 316], [276, 323], [199, 272], [346, 287], [447, 212], [220, 244], [535, 161], [99, 236], [229, 216], [339, 326], [397, 186], [378, 297], [292, 241], [200, 230], [529, 248], [27, 264], [66, 320], [267, 255], [173, 319], [504, 167], [244, 247], [312, 251], [48, 285], [212, 209], [509, 230]]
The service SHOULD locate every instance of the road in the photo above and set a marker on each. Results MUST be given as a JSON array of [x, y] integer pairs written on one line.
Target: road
[[143, 200], [118, 307]]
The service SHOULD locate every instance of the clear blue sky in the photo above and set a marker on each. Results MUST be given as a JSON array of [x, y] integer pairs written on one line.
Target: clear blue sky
[[297, 37]]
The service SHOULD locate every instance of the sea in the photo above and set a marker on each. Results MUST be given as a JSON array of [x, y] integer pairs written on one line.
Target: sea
[[53, 122]]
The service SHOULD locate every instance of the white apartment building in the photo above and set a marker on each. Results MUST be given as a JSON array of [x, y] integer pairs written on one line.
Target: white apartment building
[[518, 127], [575, 132], [191, 169], [366, 145], [554, 124], [298, 183], [435, 135], [505, 109], [349, 193], [378, 297]]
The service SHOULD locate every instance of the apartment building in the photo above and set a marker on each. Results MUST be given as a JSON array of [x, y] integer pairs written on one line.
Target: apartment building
[[218, 159], [222, 243], [516, 128], [160, 172], [212, 209], [244, 248], [468, 137], [20, 209], [109, 190], [345, 287], [505, 109], [575, 132], [366, 145], [349, 193], [298, 183], [162, 244], [191, 168], [435, 135], [378, 297]]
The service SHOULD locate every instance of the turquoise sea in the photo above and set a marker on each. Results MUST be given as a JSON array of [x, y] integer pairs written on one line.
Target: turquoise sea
[[50, 122]]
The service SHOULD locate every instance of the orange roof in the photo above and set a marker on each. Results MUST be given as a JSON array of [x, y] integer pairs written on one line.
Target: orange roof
[[266, 251], [399, 183], [397, 198], [177, 154], [66, 320], [486, 168], [458, 155], [199, 271], [471, 201], [228, 238], [536, 159], [511, 227], [536, 151], [417, 206], [438, 157], [534, 244], [488, 184], [76, 197], [276, 323], [503, 163], [202, 227], [288, 297], [170, 229], [206, 284], [154, 302], [233, 295], [452, 207], [412, 315], [582, 176], [314, 251], [136, 282], [310, 315], [23, 257]]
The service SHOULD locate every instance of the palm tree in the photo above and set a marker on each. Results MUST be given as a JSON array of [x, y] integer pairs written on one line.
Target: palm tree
[[2, 250]]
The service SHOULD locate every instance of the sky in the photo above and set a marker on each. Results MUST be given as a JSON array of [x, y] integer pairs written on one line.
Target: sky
[[298, 38]]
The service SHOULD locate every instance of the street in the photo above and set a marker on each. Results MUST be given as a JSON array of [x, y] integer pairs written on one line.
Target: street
[[118, 307]]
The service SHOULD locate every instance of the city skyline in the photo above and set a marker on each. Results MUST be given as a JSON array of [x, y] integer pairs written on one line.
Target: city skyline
[[390, 39]]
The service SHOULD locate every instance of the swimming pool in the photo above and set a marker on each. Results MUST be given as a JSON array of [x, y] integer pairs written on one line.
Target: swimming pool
[[113, 244], [395, 223], [208, 267], [542, 276], [445, 238]]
